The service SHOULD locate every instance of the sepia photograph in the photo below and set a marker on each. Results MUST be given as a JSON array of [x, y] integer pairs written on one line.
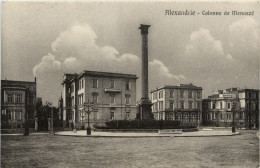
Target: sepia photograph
[[112, 84]]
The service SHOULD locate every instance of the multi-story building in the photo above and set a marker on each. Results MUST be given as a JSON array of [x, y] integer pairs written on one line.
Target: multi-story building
[[113, 94], [231, 106], [218, 109], [17, 103], [249, 106], [182, 103]]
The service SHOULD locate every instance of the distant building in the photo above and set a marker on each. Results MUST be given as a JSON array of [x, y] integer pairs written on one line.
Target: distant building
[[18, 102], [182, 103], [232, 105], [249, 106], [114, 96]]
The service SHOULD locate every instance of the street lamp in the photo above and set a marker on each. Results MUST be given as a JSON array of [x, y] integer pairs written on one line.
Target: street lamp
[[87, 106], [233, 122]]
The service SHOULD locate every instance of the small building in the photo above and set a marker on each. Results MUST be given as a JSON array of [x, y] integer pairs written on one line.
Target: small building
[[18, 103], [182, 103], [113, 95], [231, 106], [218, 109]]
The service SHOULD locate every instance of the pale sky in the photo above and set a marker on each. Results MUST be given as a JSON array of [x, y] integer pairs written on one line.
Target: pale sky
[[47, 40]]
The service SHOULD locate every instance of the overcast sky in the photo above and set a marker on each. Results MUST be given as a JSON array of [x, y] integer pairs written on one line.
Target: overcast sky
[[47, 40]]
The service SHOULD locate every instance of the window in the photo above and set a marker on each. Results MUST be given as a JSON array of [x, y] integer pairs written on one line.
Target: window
[[127, 99], [112, 84], [112, 115], [190, 94], [171, 116], [160, 116], [154, 95], [171, 94], [155, 106], [213, 105], [160, 105], [82, 115], [171, 105], [229, 106], [112, 99], [190, 105], [72, 101], [182, 105], [82, 83], [240, 116], [198, 95], [247, 95], [198, 105], [72, 88], [79, 99], [18, 114], [221, 105], [178, 117], [127, 115], [79, 84], [18, 98], [3, 112], [127, 85], [95, 83], [95, 98], [220, 116], [181, 94], [186, 117], [256, 95], [9, 98], [160, 94], [10, 115]]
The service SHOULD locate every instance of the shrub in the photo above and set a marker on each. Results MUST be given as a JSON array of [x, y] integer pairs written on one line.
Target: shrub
[[143, 124]]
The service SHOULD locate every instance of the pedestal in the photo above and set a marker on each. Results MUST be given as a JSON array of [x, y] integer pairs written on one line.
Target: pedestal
[[145, 110], [88, 131]]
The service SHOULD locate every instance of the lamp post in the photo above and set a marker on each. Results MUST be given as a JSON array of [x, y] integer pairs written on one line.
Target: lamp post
[[233, 122], [82, 117], [87, 106]]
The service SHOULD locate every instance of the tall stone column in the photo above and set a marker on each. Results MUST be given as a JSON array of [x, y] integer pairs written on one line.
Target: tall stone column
[[144, 33], [144, 108]]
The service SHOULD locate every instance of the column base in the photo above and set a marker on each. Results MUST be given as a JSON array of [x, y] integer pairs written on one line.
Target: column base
[[145, 110]]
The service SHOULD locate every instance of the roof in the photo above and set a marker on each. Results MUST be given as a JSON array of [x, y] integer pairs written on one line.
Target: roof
[[100, 74], [181, 86], [245, 90], [107, 74], [13, 81]]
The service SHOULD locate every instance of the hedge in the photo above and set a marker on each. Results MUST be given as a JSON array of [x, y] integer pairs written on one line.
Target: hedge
[[143, 124]]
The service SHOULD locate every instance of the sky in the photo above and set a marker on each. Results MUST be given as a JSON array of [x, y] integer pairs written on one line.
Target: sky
[[46, 40]]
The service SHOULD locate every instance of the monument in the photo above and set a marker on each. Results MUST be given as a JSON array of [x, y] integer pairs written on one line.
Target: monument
[[145, 105]]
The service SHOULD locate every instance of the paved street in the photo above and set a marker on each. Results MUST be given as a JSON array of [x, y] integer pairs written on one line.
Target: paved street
[[68, 151]]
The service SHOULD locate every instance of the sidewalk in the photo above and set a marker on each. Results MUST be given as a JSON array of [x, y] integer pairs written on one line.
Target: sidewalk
[[33, 133], [202, 133]]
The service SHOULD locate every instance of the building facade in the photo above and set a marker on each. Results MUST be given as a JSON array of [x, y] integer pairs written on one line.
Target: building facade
[[249, 106], [232, 107], [113, 94], [181, 103], [18, 103]]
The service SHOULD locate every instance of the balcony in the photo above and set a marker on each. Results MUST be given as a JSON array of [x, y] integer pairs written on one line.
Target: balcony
[[112, 90]]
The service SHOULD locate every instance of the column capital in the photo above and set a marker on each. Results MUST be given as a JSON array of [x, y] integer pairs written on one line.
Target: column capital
[[144, 29]]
